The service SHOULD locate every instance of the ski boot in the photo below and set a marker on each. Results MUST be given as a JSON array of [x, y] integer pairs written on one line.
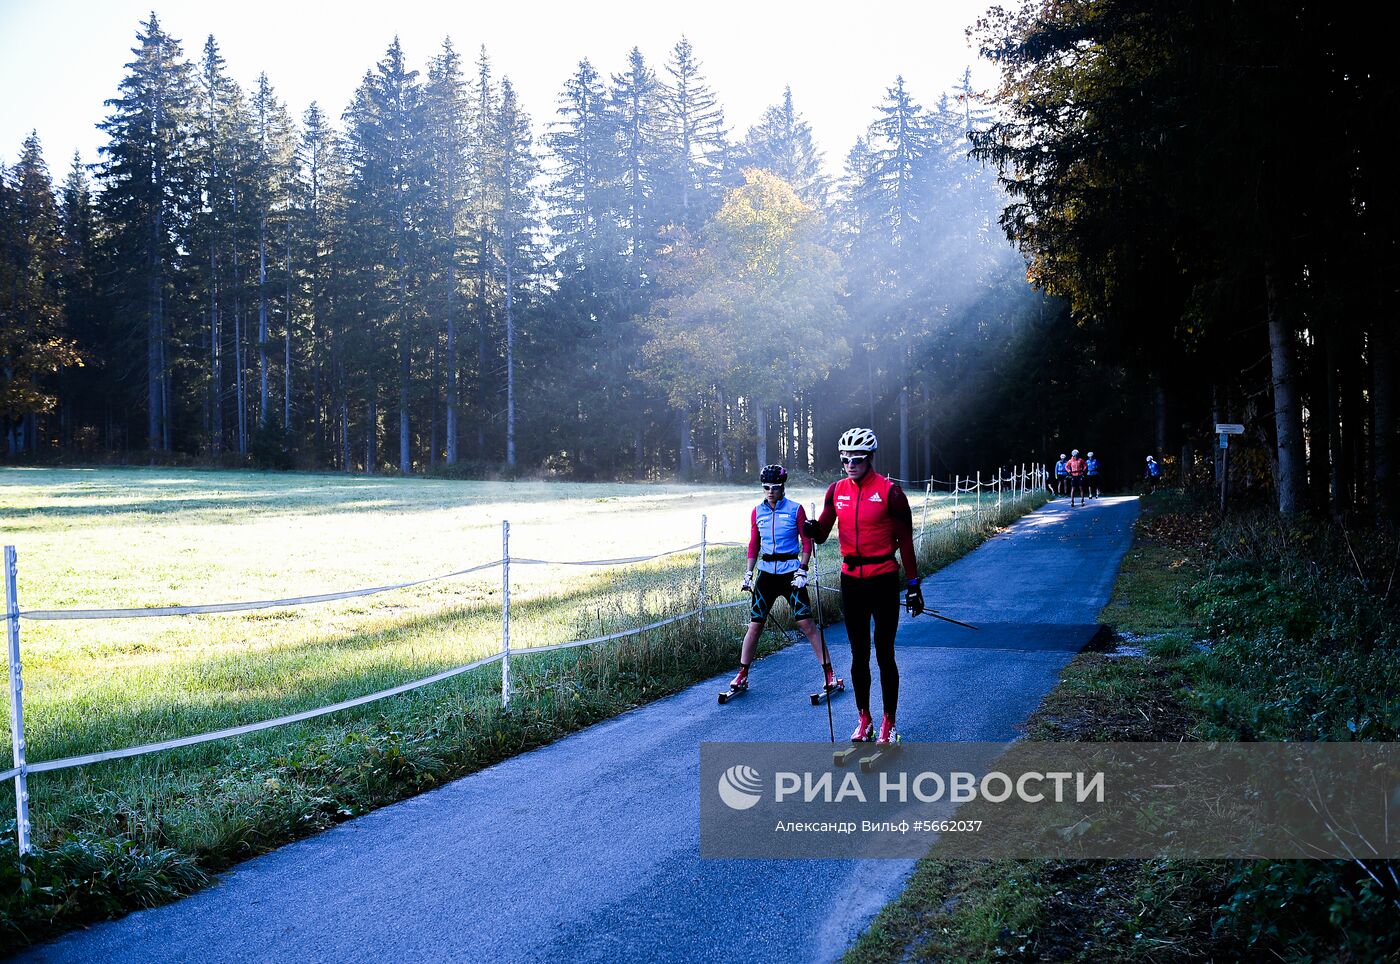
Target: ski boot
[[865, 728], [834, 685], [887, 731], [738, 685]]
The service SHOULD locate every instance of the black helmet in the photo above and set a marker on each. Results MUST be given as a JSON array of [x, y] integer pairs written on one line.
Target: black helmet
[[773, 475]]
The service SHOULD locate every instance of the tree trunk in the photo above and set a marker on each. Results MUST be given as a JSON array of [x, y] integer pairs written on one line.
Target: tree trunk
[[803, 460], [1383, 395], [451, 375], [685, 455], [405, 465], [433, 399], [262, 323], [1161, 409], [761, 420], [904, 433], [371, 433], [510, 371], [722, 425], [1328, 441], [1288, 423], [1350, 381]]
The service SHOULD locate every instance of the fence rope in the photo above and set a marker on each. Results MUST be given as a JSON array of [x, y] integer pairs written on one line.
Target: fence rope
[[241, 606], [77, 761]]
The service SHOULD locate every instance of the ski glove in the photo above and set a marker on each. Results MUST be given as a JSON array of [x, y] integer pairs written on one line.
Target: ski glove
[[748, 581], [809, 528], [799, 579], [914, 598]]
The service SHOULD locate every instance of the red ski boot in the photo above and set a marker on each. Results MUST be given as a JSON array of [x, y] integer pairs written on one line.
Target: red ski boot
[[741, 680], [865, 728], [833, 682], [887, 731]]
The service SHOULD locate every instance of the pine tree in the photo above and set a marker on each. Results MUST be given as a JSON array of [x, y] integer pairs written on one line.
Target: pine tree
[[272, 158], [695, 142], [33, 340], [782, 143], [447, 134], [484, 209], [589, 264], [87, 322], [319, 212], [214, 155], [148, 192], [516, 221], [386, 200]]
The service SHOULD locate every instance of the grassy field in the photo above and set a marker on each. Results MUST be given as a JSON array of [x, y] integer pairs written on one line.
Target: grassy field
[[144, 538], [138, 538]]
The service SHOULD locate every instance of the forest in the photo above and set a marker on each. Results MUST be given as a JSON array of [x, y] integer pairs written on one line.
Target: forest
[[420, 286], [1123, 244]]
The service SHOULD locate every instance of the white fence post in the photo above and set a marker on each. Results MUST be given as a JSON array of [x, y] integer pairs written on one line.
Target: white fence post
[[999, 488], [979, 496], [16, 701], [923, 522], [703, 520], [505, 613]]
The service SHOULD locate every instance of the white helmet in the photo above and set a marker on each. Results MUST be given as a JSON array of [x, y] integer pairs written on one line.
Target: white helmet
[[1063, 456], [858, 440], [1075, 453], [1091, 455], [1150, 459]]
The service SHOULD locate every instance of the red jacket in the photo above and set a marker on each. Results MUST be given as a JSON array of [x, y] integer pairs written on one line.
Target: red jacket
[[1077, 466], [875, 520]]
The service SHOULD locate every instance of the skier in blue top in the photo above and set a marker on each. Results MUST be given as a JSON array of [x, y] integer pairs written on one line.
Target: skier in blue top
[[1061, 474], [779, 552], [1091, 464]]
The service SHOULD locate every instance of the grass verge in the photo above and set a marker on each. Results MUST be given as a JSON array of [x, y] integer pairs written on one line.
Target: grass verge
[[1245, 630], [121, 835]]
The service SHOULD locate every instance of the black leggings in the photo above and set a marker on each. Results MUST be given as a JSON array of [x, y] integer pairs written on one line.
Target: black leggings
[[862, 600]]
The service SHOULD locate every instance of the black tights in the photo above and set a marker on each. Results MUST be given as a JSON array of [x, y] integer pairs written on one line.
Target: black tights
[[862, 600]]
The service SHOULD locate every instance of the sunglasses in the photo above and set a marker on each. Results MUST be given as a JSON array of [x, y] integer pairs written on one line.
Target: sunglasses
[[853, 459], [770, 486]]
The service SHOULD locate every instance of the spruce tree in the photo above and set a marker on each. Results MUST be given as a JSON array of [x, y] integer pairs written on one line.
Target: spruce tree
[[147, 193], [782, 143], [695, 142], [447, 142]]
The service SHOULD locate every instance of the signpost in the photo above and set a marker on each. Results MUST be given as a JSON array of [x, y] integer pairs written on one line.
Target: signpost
[[1225, 430]]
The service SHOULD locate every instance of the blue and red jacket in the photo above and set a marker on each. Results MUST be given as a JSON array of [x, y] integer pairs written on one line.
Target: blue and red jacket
[[874, 520], [775, 536]]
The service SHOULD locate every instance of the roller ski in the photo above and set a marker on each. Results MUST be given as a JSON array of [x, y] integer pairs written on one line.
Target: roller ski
[[834, 685], [738, 686], [885, 746], [865, 732]]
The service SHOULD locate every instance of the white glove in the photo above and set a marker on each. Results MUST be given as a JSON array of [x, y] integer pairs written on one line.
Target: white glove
[[799, 579], [748, 581]]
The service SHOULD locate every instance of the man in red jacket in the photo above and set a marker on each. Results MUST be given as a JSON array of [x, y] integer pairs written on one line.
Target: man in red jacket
[[874, 520]]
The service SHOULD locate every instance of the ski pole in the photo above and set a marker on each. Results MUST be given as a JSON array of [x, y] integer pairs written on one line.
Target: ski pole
[[821, 630], [948, 619]]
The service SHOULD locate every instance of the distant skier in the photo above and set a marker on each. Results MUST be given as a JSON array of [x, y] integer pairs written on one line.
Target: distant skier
[[1091, 468], [782, 552], [1061, 475], [874, 519], [1077, 469], [1152, 475]]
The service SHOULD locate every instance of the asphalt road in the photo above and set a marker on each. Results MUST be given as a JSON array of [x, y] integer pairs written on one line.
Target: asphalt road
[[588, 849]]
